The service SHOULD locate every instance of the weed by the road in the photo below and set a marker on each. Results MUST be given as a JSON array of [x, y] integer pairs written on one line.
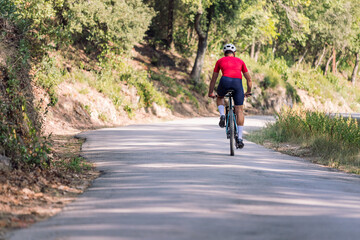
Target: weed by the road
[[334, 141], [77, 164]]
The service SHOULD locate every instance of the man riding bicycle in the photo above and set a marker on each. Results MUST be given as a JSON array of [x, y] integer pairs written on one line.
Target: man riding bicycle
[[232, 69]]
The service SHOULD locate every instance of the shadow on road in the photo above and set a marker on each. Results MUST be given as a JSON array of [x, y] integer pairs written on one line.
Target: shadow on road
[[177, 181]]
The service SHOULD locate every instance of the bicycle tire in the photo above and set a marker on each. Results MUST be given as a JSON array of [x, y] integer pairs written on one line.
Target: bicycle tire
[[232, 132]]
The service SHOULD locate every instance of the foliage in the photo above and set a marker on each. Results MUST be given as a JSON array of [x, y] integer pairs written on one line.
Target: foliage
[[333, 139], [76, 164], [19, 121], [109, 25], [48, 76], [174, 89], [125, 73], [99, 25], [276, 72], [255, 23]]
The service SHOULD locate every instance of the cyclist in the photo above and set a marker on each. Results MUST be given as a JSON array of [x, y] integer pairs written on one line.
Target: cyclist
[[232, 69]]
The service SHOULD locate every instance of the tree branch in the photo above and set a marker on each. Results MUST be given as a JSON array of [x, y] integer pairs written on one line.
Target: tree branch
[[198, 29]]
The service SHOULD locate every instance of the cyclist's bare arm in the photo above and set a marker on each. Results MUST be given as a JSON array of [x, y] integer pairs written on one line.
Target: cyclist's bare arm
[[212, 84], [248, 83]]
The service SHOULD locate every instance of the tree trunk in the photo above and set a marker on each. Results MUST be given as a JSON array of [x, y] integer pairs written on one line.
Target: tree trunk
[[252, 52], [258, 49], [274, 47], [334, 61], [321, 58], [327, 64], [339, 54], [202, 44], [170, 26], [303, 56], [356, 68], [199, 61]]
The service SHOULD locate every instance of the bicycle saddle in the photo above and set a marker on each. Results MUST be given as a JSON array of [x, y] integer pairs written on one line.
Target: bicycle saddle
[[230, 92]]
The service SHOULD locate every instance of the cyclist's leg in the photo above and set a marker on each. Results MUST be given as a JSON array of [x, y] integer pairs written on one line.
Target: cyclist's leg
[[221, 107], [239, 106], [221, 91], [220, 101], [225, 84], [240, 117]]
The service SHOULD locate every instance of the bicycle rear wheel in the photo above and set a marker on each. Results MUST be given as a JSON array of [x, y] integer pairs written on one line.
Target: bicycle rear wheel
[[232, 132]]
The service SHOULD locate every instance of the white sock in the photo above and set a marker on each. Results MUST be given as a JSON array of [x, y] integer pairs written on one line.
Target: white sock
[[221, 109], [240, 131]]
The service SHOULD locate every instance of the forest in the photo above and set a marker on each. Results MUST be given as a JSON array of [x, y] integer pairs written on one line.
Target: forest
[[324, 34]]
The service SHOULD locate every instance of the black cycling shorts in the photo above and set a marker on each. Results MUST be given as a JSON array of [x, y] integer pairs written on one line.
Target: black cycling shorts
[[235, 84]]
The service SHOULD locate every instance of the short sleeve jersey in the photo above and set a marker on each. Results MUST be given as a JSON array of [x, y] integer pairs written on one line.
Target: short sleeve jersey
[[231, 67]]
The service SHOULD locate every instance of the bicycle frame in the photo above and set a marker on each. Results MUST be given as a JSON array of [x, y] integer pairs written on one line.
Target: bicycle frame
[[230, 106]]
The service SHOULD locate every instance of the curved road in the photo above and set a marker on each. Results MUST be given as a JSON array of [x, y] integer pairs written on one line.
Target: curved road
[[176, 180]]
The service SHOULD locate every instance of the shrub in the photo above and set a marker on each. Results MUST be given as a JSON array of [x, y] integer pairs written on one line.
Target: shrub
[[279, 65], [48, 76], [271, 79], [334, 139], [200, 87], [116, 24]]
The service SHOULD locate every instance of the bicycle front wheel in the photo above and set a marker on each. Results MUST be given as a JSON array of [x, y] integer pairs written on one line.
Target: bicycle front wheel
[[232, 132]]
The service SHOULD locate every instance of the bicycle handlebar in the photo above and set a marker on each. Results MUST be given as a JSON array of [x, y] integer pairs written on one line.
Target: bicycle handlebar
[[227, 95]]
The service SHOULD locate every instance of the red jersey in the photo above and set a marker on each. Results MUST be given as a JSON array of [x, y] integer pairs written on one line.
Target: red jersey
[[231, 67]]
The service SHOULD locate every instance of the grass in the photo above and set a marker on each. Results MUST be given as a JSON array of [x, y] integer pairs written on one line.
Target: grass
[[103, 117], [87, 108], [129, 110], [77, 164], [175, 89], [84, 91], [333, 141]]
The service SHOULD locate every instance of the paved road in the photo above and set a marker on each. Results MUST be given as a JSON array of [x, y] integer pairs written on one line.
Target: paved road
[[176, 181], [352, 115]]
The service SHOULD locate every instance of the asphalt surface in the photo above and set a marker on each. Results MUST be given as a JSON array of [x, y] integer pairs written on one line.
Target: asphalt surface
[[177, 181], [352, 115]]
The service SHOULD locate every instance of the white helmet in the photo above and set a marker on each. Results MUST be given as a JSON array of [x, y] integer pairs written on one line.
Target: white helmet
[[229, 47]]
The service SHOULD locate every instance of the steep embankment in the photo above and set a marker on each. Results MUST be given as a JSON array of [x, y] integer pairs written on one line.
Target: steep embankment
[[148, 86], [89, 99], [20, 121]]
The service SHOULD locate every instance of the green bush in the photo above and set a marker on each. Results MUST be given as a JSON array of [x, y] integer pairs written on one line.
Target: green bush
[[100, 25], [48, 77], [116, 24], [279, 65], [200, 87], [271, 79], [20, 136], [291, 91]]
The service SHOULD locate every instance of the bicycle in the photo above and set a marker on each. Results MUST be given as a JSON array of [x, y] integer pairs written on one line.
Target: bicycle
[[231, 126], [231, 129]]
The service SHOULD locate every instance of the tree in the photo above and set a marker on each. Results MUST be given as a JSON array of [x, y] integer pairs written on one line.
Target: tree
[[109, 24], [330, 26], [202, 42], [257, 26], [161, 29], [292, 25], [355, 39], [205, 13]]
